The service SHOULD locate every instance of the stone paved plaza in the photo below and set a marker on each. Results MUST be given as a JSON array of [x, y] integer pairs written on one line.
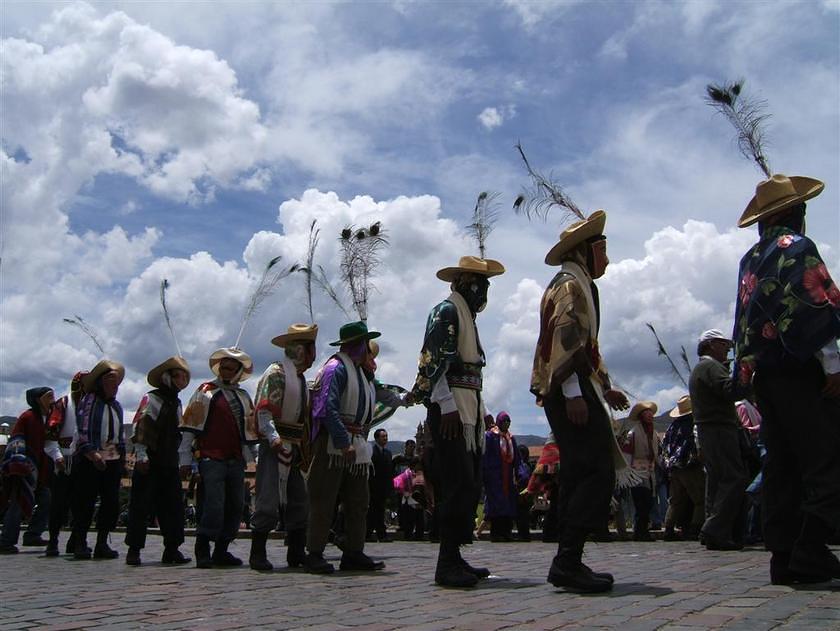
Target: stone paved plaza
[[674, 586]]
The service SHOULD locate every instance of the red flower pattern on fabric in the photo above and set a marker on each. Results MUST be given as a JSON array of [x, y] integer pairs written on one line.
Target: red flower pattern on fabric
[[748, 285], [785, 241], [769, 331], [818, 282], [745, 373]]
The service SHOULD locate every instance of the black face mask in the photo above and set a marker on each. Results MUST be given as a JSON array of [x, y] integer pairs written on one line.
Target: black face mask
[[474, 290]]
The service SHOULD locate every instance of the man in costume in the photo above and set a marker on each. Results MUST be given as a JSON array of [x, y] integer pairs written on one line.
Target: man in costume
[[342, 406], [642, 446], [713, 397], [787, 323], [220, 419], [449, 384], [61, 434], [282, 404], [686, 504], [31, 428], [381, 486], [156, 481], [499, 466], [99, 459], [570, 381]]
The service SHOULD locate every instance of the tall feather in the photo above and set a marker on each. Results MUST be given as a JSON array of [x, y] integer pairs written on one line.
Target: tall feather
[[746, 115], [485, 215], [320, 278], [79, 323], [309, 268], [661, 350], [543, 195], [271, 277], [684, 357], [361, 252], [164, 285]]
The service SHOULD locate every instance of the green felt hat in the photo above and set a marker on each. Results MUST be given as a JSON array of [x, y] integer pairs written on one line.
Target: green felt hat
[[353, 332]]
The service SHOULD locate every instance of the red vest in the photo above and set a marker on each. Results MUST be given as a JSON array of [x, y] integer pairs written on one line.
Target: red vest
[[220, 440]]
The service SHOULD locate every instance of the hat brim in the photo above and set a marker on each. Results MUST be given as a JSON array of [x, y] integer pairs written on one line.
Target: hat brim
[[89, 380], [641, 407], [241, 356], [675, 413], [593, 226], [282, 340], [805, 187], [449, 274], [370, 335], [155, 375]]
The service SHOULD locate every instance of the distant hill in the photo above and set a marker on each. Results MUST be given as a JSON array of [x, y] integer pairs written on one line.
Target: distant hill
[[8, 419]]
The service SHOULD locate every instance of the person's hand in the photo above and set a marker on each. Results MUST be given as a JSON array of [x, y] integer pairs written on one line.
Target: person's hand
[[98, 461], [349, 454], [142, 466], [577, 411], [60, 465], [277, 446], [451, 426], [186, 471], [616, 399], [831, 390], [408, 399]]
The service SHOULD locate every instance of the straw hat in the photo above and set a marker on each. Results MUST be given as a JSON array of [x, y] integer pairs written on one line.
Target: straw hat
[[576, 234], [374, 349], [683, 407], [353, 332], [106, 365], [232, 353], [155, 375], [297, 333], [777, 194], [640, 407], [471, 265]]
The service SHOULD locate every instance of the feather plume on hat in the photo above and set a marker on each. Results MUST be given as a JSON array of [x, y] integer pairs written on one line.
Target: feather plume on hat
[[316, 274], [544, 195], [270, 279], [663, 352], [485, 216], [361, 255], [747, 117], [85, 328]]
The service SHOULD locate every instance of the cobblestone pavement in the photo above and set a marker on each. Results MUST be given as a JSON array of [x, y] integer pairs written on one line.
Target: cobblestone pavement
[[675, 586]]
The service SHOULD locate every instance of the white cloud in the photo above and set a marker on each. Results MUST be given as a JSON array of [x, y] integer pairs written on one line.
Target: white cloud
[[533, 13], [492, 117]]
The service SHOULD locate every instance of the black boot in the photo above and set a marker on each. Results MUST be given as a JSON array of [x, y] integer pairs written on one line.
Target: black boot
[[567, 569], [478, 572], [102, 550], [202, 552], [781, 574], [173, 556], [52, 547], [133, 556], [316, 564], [81, 552], [222, 557], [258, 559], [449, 571], [296, 547]]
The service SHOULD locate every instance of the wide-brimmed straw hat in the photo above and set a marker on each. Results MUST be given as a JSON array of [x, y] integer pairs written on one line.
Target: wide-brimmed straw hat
[[682, 408], [640, 407], [576, 234], [232, 353], [155, 375], [106, 365], [354, 332], [471, 265], [778, 193], [374, 349], [297, 333]]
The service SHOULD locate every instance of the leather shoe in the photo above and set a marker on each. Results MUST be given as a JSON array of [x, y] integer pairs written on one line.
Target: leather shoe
[[225, 559], [478, 572], [10, 549], [34, 541], [359, 561], [52, 549], [173, 556], [721, 544], [814, 560], [316, 564], [578, 580], [104, 551], [133, 557], [455, 576], [604, 576]]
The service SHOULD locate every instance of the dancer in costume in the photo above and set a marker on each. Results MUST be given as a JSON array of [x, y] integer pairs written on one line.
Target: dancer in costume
[[449, 383], [156, 480], [282, 404], [99, 459], [642, 445], [342, 406]]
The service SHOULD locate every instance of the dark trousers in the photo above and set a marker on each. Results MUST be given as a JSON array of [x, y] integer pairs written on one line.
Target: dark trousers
[[88, 484], [223, 482], [456, 474], [61, 492], [157, 492], [801, 474], [587, 472], [686, 503], [726, 479], [267, 506], [412, 521], [37, 522], [642, 503], [376, 513]]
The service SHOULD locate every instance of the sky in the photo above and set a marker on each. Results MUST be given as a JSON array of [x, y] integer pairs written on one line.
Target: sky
[[195, 141]]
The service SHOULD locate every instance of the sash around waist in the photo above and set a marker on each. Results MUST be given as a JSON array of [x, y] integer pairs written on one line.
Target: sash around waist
[[465, 376]]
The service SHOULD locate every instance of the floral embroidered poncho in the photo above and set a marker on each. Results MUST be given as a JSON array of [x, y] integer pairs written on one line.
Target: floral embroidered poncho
[[788, 307]]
